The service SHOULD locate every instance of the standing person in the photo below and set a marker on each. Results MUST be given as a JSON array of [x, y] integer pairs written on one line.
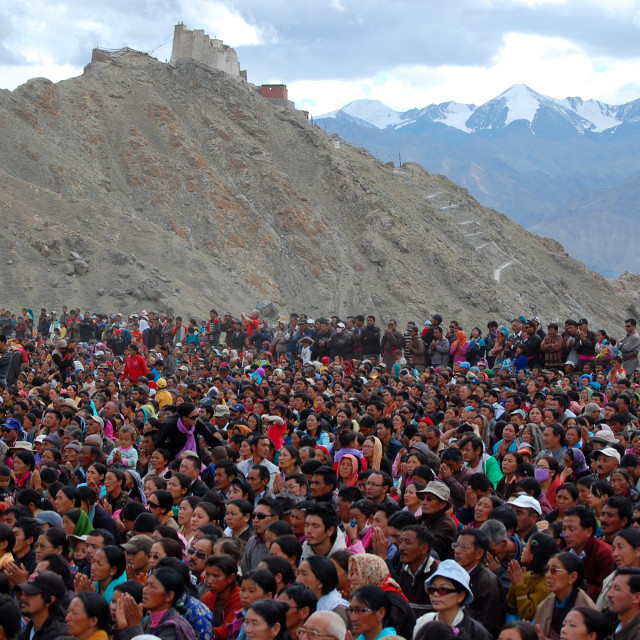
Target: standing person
[[370, 339], [629, 347], [459, 348], [439, 348], [417, 349], [552, 347], [135, 366], [213, 328], [392, 342]]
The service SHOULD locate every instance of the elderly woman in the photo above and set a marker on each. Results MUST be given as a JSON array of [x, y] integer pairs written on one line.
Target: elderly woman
[[370, 570]]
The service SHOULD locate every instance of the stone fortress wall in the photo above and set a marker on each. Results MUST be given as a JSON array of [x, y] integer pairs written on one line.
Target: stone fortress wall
[[197, 46]]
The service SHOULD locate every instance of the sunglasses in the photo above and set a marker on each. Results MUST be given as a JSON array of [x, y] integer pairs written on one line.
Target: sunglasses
[[153, 505], [441, 591], [261, 516], [198, 554]]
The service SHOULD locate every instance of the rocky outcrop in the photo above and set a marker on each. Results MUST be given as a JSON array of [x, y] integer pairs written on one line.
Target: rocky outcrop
[[137, 183]]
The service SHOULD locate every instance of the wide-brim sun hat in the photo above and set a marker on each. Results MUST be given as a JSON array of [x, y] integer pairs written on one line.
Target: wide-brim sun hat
[[451, 570]]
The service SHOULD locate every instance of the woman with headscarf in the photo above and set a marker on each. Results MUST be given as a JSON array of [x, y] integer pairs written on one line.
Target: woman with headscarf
[[459, 348], [532, 434], [370, 570], [372, 452], [135, 486], [348, 471], [497, 352], [575, 466]]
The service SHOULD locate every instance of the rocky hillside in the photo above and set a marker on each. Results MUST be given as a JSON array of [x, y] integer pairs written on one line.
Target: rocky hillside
[[139, 185]]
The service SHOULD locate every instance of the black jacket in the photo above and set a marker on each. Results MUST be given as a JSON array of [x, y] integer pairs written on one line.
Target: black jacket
[[371, 340], [53, 628], [168, 437]]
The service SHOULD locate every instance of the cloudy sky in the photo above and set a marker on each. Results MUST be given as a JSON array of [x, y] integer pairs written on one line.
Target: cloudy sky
[[406, 53]]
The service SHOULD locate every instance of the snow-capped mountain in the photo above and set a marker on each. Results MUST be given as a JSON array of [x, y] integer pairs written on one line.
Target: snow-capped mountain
[[533, 157], [518, 103]]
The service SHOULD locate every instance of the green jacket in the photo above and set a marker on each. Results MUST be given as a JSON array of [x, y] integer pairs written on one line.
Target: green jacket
[[491, 467]]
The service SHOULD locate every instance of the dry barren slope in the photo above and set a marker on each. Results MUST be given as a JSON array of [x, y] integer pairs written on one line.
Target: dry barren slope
[[137, 184]]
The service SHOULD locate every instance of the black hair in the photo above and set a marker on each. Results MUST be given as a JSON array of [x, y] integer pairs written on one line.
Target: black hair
[[173, 548], [365, 506], [302, 595], [72, 493], [7, 534], [374, 598], [131, 511], [170, 578], [480, 482], [585, 515], [525, 629], [506, 515], [95, 606], [327, 513], [106, 535], [25, 497], [132, 587], [573, 564], [30, 527], [28, 458], [633, 580], [325, 572], [225, 563], [10, 616], [210, 509], [264, 579], [57, 538], [600, 488], [328, 474], [58, 564], [595, 621], [278, 565], [543, 547], [423, 472], [245, 507], [273, 505], [570, 488], [272, 612], [290, 546], [401, 519], [145, 523], [632, 536], [280, 528], [116, 558], [245, 487]]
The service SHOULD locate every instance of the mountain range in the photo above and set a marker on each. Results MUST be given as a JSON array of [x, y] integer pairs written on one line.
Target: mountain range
[[139, 185], [568, 169]]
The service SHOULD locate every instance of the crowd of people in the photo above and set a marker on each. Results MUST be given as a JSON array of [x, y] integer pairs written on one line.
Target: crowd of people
[[329, 478]]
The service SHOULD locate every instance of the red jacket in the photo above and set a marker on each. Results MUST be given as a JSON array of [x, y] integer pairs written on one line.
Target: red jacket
[[134, 367], [597, 560], [233, 604]]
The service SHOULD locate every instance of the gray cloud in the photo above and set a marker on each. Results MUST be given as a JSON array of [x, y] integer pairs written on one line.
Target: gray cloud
[[315, 40]]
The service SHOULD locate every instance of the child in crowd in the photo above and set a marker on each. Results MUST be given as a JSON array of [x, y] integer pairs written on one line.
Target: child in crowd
[[125, 455]]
